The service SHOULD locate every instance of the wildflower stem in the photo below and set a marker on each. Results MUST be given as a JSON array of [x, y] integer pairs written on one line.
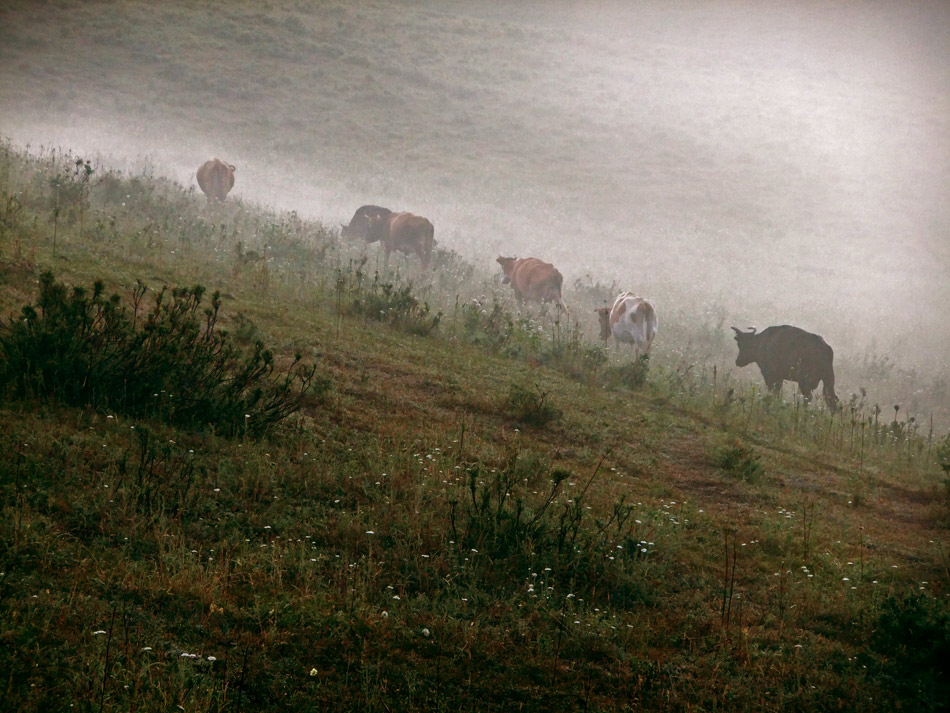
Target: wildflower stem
[[105, 667]]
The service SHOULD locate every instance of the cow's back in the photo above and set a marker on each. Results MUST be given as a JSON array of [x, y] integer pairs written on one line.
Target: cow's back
[[215, 179], [633, 319], [792, 349], [786, 338], [408, 232], [536, 278]]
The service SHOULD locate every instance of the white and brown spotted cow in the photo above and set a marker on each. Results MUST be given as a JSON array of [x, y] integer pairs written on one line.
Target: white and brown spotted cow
[[632, 319]]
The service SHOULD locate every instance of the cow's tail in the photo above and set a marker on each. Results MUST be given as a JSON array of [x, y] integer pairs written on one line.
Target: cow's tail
[[828, 383], [649, 321], [428, 244], [558, 299]]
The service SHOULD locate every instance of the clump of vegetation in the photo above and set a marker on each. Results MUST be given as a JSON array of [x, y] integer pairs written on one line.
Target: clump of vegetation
[[530, 406], [739, 460], [69, 192], [913, 635], [170, 363], [490, 328], [498, 522], [943, 455], [395, 304], [574, 356], [632, 374]]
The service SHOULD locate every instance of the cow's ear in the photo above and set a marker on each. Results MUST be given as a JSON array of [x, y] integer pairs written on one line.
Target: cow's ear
[[737, 331]]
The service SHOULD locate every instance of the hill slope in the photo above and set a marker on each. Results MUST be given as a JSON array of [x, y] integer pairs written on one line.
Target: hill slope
[[476, 511]]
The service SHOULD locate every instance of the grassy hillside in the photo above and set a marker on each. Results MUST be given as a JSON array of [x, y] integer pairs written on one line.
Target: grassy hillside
[[473, 509]]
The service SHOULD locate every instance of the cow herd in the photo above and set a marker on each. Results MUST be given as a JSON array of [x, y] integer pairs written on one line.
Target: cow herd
[[782, 353]]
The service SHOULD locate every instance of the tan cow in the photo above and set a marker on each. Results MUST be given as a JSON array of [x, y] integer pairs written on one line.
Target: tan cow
[[405, 232], [533, 279], [216, 179], [631, 319]]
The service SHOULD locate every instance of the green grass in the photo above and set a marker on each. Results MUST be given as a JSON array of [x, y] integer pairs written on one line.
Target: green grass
[[478, 512]]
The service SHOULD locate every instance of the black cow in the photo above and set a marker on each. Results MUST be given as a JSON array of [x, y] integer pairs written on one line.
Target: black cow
[[367, 223], [790, 353]]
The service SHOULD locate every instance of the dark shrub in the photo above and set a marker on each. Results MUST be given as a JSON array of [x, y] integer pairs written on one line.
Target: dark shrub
[[913, 635], [396, 305], [738, 460], [170, 363], [530, 406]]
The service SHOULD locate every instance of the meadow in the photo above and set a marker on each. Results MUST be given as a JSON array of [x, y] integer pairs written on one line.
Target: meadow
[[467, 507], [243, 466]]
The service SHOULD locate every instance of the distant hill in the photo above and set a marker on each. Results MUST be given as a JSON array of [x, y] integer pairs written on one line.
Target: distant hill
[[775, 164]]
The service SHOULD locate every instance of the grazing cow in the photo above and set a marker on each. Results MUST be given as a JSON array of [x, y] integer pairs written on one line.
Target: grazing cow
[[405, 232], [215, 178], [632, 319], [365, 218], [533, 279], [789, 353]]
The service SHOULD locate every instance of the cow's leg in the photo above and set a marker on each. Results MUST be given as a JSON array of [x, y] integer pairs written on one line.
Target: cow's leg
[[806, 387], [772, 382], [828, 391], [831, 398], [423, 257]]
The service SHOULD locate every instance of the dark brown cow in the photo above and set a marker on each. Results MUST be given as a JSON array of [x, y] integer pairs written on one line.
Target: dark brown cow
[[216, 179], [405, 232], [366, 223], [789, 353], [533, 279]]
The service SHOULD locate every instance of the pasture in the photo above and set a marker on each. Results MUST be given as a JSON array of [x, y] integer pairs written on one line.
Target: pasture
[[247, 464], [473, 507]]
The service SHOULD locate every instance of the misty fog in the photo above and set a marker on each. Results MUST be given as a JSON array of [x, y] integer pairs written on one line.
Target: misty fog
[[778, 162]]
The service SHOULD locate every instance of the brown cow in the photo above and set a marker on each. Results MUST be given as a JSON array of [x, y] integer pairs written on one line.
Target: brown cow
[[405, 232], [216, 178], [533, 279]]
